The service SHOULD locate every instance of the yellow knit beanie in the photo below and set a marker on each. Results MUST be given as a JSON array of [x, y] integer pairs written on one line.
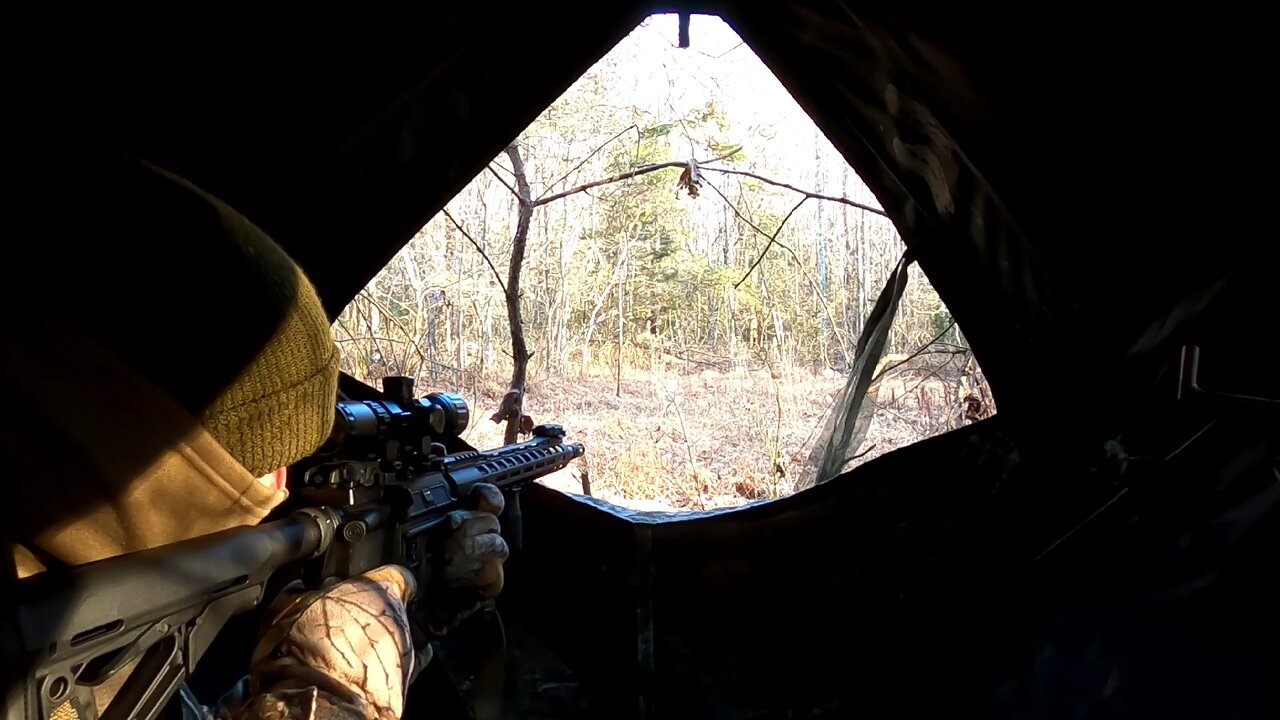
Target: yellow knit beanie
[[281, 408], [205, 305]]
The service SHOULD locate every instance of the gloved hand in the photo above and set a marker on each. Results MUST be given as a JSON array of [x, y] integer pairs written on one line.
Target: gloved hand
[[345, 651], [472, 567]]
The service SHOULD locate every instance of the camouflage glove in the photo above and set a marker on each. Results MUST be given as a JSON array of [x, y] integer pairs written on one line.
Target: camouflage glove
[[347, 651], [472, 562], [342, 652]]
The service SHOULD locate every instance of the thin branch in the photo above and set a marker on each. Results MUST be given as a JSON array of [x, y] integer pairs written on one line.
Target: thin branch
[[502, 180], [1114, 499], [919, 351], [737, 149], [668, 353], [588, 157], [358, 338], [813, 430], [931, 374], [688, 448], [853, 457], [437, 363], [773, 239], [479, 249], [714, 57], [613, 179], [645, 170], [343, 325], [806, 193], [396, 321], [679, 119]]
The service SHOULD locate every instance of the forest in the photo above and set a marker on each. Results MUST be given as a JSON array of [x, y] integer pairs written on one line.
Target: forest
[[687, 264]]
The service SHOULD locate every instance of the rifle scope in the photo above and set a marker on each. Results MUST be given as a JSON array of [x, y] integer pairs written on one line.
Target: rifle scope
[[363, 428]]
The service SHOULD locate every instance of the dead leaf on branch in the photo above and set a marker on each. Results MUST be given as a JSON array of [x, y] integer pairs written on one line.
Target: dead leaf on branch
[[509, 410], [690, 179], [509, 407]]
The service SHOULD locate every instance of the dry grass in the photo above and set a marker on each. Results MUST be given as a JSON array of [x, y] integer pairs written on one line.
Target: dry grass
[[712, 440]]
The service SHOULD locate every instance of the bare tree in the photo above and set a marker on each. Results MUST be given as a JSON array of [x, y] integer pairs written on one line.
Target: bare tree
[[519, 351]]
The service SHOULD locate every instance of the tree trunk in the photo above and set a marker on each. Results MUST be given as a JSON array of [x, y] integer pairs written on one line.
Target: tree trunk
[[864, 281], [824, 282], [461, 350], [600, 300], [519, 353], [622, 287]]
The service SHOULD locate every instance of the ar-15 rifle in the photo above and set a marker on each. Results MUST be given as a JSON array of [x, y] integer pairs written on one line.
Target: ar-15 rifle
[[375, 493]]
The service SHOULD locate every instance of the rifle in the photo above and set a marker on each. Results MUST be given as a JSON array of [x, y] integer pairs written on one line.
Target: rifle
[[378, 491]]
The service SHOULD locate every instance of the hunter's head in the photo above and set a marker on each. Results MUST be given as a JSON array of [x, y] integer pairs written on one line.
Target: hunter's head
[[159, 381]]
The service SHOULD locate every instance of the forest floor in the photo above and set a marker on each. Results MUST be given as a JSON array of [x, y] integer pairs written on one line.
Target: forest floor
[[709, 440]]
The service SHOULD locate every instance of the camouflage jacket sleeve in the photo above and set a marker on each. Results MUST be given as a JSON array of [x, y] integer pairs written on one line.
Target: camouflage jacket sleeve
[[343, 653]]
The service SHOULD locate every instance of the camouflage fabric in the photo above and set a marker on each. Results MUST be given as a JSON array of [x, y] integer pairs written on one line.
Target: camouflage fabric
[[347, 651], [343, 652], [475, 550]]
